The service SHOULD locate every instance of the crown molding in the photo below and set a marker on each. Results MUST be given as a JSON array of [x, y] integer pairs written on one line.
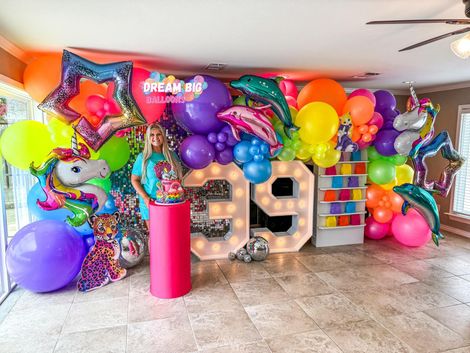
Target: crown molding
[[11, 82], [447, 87], [17, 52]]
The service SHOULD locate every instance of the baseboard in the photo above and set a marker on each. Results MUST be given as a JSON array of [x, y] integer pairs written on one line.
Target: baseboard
[[457, 231]]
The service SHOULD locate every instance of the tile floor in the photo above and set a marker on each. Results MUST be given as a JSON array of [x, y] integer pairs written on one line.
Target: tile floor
[[375, 297]]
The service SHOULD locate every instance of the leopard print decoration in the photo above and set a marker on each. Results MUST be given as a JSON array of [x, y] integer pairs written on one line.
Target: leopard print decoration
[[101, 265]]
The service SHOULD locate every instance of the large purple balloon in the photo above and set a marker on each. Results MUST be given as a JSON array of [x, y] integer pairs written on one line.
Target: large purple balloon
[[199, 115], [45, 255], [384, 101], [196, 152], [384, 141]]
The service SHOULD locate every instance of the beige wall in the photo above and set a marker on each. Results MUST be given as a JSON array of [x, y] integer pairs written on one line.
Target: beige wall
[[11, 66], [446, 120]]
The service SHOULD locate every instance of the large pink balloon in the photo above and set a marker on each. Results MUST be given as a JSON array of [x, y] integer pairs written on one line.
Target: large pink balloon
[[411, 230], [375, 230], [363, 92], [151, 110]]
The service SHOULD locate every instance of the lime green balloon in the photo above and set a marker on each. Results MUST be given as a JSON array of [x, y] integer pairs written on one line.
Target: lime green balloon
[[26, 142], [381, 172], [372, 154], [286, 155], [398, 159], [242, 101], [116, 152], [105, 183]]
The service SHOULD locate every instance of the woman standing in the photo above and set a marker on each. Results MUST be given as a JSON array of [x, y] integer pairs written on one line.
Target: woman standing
[[143, 178]]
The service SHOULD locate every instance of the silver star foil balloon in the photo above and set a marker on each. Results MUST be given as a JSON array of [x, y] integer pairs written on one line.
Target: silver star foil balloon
[[75, 68], [443, 143], [133, 247], [258, 248]]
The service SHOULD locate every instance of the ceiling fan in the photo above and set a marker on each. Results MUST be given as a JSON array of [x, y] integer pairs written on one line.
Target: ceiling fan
[[465, 21]]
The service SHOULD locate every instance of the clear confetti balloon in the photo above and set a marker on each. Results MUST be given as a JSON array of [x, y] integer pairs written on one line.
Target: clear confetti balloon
[[133, 247]]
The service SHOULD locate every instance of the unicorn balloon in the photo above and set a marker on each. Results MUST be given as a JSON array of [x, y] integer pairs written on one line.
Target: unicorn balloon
[[416, 124], [62, 177]]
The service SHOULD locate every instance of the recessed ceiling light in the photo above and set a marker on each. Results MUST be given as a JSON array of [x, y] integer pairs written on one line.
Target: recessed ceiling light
[[366, 75], [215, 67]]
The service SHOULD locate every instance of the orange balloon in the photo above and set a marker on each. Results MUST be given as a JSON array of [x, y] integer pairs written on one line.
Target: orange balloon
[[42, 76], [363, 129], [367, 137], [360, 108], [87, 88], [323, 90], [396, 201], [356, 135], [383, 215], [373, 195], [373, 129]]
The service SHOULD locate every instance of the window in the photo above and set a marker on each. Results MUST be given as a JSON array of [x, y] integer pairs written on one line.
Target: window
[[461, 202], [15, 105]]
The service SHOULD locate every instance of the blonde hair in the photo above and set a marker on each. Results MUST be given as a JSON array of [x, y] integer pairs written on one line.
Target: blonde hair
[[165, 150]]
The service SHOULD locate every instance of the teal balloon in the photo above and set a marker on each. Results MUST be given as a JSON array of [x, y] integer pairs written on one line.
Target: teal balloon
[[381, 172]]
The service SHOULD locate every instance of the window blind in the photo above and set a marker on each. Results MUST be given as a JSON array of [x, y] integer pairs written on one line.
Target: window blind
[[461, 204]]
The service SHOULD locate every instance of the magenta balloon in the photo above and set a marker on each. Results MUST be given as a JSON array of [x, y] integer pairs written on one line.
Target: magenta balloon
[[375, 230], [45, 255], [363, 92], [411, 230], [376, 120], [196, 152], [384, 141], [384, 100], [199, 115]]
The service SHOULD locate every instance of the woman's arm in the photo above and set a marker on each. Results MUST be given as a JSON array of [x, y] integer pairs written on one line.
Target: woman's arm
[[135, 181]]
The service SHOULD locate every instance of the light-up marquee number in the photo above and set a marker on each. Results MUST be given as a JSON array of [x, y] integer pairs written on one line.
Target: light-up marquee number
[[299, 206], [236, 209]]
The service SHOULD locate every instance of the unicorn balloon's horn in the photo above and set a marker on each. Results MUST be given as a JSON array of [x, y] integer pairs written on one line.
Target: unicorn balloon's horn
[[75, 150], [413, 93]]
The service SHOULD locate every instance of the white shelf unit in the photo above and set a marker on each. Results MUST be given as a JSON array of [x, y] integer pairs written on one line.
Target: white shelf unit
[[339, 235]]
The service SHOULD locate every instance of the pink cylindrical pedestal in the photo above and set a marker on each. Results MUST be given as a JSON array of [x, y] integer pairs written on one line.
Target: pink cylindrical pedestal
[[170, 250]]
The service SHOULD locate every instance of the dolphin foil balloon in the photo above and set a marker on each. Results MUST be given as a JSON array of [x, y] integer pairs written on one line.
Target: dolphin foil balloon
[[252, 121], [423, 202], [267, 91]]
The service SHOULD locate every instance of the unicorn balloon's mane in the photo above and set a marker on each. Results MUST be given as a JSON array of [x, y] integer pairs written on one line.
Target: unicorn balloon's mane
[[58, 195]]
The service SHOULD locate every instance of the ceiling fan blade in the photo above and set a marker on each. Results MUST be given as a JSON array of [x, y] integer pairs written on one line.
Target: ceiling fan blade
[[461, 21], [450, 34]]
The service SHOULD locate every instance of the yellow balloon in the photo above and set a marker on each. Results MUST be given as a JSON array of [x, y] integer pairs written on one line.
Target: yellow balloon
[[25, 142], [405, 174], [390, 185], [326, 156], [318, 122], [61, 135], [293, 113]]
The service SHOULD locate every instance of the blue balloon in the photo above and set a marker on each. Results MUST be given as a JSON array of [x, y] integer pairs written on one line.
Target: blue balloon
[[109, 206], [241, 152], [255, 141], [264, 148], [36, 193], [257, 172], [254, 150], [258, 157]]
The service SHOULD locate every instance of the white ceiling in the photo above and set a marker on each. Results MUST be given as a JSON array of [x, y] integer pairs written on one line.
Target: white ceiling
[[302, 39]]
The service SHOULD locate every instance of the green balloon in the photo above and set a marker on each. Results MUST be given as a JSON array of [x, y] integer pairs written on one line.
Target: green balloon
[[286, 155], [116, 152], [381, 172], [373, 154], [105, 183], [25, 142], [242, 101], [398, 159]]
